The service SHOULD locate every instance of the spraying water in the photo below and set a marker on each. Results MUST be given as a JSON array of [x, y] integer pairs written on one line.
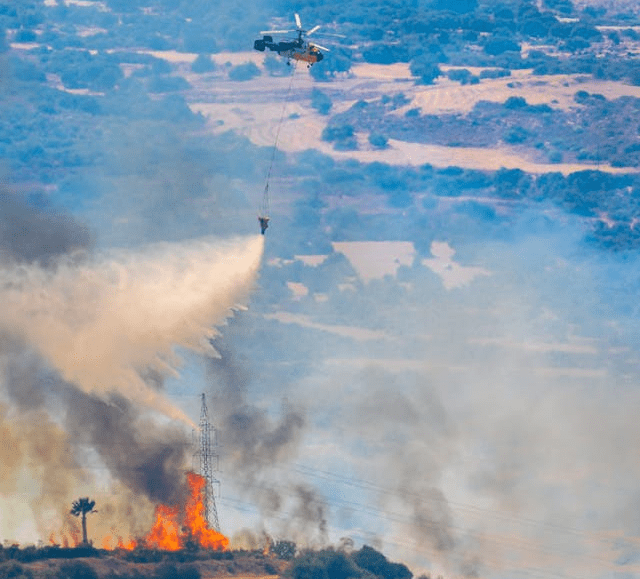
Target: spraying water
[[103, 321]]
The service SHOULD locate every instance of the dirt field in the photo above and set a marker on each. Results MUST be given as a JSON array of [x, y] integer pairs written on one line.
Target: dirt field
[[254, 108]]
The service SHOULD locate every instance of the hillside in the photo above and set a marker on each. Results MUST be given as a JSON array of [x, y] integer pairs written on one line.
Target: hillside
[[432, 349], [365, 563], [142, 564]]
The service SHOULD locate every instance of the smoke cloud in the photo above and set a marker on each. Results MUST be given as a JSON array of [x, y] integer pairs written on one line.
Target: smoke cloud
[[258, 446], [28, 234], [87, 340], [105, 322]]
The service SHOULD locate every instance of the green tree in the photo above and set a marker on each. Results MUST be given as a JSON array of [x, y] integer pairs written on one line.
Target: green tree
[[203, 64], [425, 69], [244, 71], [83, 506], [320, 101]]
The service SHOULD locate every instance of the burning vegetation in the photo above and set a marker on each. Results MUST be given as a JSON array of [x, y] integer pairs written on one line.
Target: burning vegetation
[[175, 527]]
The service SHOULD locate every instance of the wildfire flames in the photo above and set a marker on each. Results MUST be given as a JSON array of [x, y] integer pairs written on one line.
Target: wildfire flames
[[174, 526]]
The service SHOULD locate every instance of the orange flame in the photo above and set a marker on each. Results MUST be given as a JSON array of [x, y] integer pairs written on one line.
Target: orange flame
[[195, 520], [173, 527], [165, 533], [130, 545], [109, 541]]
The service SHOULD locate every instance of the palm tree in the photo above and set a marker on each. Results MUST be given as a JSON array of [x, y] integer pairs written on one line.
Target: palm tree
[[81, 507]]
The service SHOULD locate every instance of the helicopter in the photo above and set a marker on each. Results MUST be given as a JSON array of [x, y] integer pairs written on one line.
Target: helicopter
[[297, 48]]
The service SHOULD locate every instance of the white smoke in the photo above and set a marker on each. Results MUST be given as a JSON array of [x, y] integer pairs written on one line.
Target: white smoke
[[100, 320]]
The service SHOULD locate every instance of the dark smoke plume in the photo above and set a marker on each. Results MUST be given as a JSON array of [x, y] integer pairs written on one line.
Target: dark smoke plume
[[146, 457], [49, 427], [28, 234], [252, 438], [151, 463], [258, 447]]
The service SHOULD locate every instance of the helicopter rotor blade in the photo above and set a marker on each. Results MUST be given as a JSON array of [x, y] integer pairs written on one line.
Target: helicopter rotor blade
[[310, 32], [332, 34], [319, 46], [277, 31], [298, 23]]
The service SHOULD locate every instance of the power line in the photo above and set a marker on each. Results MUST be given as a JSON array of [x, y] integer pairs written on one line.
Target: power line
[[247, 507], [367, 485], [403, 518]]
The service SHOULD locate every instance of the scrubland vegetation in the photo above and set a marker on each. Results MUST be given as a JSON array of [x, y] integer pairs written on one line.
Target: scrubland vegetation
[[85, 95], [54, 562]]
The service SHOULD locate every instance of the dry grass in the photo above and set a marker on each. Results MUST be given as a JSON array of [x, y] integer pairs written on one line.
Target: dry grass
[[240, 567], [253, 109]]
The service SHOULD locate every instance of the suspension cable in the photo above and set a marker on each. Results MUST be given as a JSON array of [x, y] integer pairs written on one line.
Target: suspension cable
[[264, 209]]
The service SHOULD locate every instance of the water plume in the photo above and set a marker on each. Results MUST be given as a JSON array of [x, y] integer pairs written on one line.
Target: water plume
[[105, 322]]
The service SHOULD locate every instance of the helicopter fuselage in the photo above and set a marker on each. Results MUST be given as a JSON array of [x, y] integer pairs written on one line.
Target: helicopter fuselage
[[296, 49]]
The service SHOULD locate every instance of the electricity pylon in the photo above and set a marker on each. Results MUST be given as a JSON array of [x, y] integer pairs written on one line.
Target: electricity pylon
[[208, 454]]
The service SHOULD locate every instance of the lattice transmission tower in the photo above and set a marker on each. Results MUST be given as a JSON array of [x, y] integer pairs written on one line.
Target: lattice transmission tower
[[207, 453]]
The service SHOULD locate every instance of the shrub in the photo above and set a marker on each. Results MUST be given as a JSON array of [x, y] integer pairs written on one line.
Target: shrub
[[581, 96], [516, 135], [168, 84], [270, 569], [425, 70], [203, 64], [169, 571], [350, 144], [337, 132], [77, 570], [500, 45], [385, 54], [398, 100], [463, 76], [326, 564], [379, 141], [276, 65], [340, 62], [320, 101], [495, 73], [199, 39], [476, 210], [371, 560], [515, 102], [555, 157], [26, 35], [245, 71], [576, 44], [13, 570], [634, 77]]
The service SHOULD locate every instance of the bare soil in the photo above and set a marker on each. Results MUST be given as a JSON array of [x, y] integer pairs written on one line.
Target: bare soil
[[253, 108]]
